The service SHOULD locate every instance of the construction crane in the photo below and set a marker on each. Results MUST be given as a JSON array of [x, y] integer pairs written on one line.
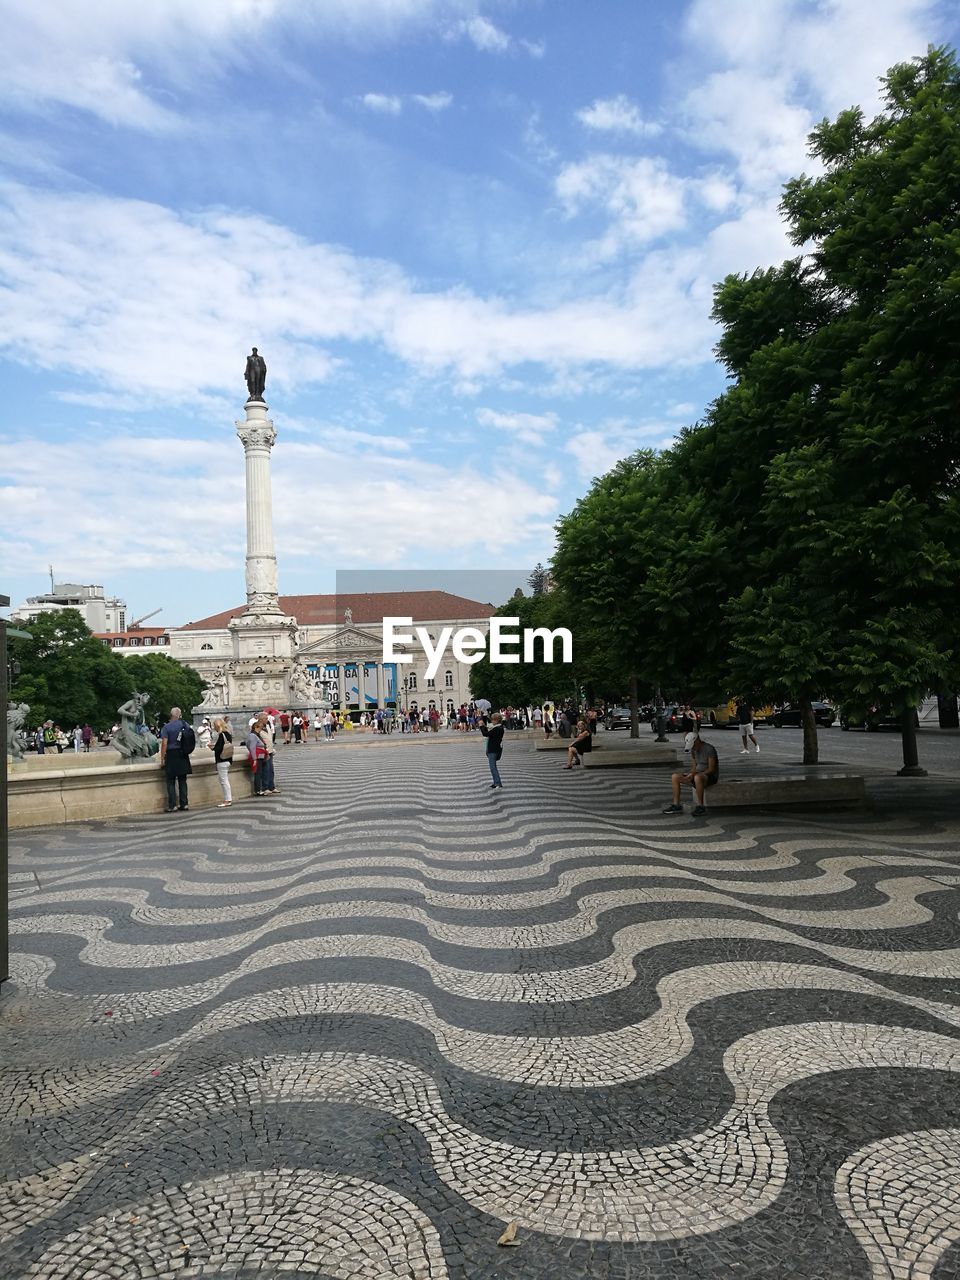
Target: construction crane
[[137, 621]]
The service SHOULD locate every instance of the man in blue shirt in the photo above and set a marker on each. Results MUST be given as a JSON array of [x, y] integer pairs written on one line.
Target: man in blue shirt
[[174, 761]]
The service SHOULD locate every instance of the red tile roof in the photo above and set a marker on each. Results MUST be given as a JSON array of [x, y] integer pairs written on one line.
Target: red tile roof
[[367, 608]]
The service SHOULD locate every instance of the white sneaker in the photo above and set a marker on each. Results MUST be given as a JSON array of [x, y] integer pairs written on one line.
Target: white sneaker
[[758, 748], [744, 751]]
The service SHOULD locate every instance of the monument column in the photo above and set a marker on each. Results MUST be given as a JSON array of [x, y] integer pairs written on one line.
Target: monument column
[[257, 434]]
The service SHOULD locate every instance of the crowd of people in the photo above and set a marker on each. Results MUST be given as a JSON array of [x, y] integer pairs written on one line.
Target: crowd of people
[[50, 737], [292, 728]]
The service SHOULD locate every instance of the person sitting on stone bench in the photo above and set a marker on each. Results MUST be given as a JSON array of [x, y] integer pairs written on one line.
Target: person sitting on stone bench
[[704, 772]]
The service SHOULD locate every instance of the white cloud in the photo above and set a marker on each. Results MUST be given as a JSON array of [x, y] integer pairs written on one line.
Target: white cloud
[[120, 60], [767, 72], [641, 195], [385, 103], [530, 428], [202, 487], [485, 35], [617, 115], [489, 38], [150, 303], [434, 101]]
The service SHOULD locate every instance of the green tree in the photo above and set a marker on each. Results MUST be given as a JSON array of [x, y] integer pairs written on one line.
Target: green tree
[[644, 560], [840, 437], [67, 675], [168, 683], [539, 580], [527, 684]]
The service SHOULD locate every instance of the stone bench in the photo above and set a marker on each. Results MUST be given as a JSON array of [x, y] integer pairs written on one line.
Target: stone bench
[[642, 755], [824, 791]]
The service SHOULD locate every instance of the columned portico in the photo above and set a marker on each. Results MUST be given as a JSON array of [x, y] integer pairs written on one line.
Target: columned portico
[[351, 649]]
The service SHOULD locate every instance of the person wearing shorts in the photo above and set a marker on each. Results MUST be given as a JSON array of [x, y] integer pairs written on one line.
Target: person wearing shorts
[[745, 725], [704, 772]]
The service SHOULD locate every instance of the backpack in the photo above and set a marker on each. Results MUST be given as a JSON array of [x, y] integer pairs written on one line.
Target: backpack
[[186, 739]]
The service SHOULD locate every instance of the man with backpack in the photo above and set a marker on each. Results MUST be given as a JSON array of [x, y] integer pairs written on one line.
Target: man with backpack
[[177, 741]]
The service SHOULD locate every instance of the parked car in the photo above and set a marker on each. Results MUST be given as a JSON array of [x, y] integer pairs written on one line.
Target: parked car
[[877, 718], [673, 717], [788, 716], [617, 718]]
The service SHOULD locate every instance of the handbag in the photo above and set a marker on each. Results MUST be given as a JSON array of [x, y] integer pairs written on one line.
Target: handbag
[[226, 751]]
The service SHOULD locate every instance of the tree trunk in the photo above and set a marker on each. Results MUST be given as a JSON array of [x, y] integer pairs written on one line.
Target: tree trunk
[[811, 744], [947, 710], [908, 734], [634, 708]]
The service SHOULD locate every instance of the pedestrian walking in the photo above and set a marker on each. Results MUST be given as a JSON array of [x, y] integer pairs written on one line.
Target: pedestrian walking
[[177, 740], [494, 747], [704, 772], [87, 735], [745, 723], [582, 743], [317, 726], [77, 738], [222, 747]]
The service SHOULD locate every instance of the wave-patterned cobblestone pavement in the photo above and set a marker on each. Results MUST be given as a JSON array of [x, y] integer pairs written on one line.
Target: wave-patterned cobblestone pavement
[[355, 1030]]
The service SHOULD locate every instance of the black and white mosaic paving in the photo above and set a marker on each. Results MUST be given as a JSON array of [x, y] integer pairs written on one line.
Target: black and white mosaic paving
[[357, 1029]]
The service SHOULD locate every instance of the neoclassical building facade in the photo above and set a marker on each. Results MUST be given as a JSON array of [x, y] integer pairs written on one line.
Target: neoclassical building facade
[[340, 645]]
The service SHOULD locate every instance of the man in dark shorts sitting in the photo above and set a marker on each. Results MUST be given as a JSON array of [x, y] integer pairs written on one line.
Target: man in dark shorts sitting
[[704, 772]]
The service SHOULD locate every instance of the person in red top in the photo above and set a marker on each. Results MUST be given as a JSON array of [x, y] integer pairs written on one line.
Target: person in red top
[[285, 726]]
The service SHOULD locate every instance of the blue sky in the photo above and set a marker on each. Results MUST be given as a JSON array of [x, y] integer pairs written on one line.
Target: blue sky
[[475, 241]]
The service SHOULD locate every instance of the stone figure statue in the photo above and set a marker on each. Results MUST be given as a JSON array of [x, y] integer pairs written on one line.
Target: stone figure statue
[[256, 374], [215, 691], [301, 686], [348, 616], [133, 740], [17, 713]]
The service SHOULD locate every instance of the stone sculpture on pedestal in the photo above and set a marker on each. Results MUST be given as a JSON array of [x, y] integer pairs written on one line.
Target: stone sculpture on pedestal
[[133, 740], [17, 713], [215, 693]]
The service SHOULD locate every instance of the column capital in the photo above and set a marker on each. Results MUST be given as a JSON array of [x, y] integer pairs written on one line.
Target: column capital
[[256, 431]]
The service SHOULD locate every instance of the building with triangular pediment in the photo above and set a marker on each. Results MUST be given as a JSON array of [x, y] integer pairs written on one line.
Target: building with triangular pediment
[[338, 643]]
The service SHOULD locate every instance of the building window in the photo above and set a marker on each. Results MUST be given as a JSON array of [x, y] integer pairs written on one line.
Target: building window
[[448, 680], [431, 684], [162, 640], [118, 644], [148, 639], [123, 622], [205, 646], [134, 640], [411, 681]]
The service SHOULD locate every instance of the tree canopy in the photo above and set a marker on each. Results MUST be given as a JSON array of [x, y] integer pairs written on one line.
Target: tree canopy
[[67, 675], [805, 537], [70, 677]]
